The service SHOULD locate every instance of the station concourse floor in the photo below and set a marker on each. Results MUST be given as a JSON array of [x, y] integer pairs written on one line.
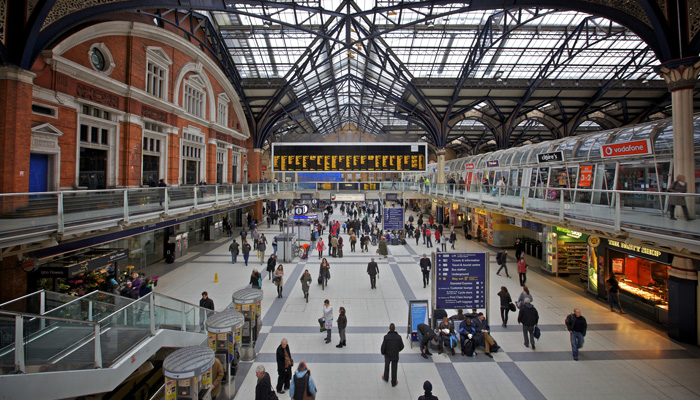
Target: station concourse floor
[[624, 357]]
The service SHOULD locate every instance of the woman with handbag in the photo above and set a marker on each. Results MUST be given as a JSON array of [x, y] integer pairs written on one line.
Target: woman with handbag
[[284, 366], [327, 319], [278, 280], [305, 284], [506, 301], [325, 273]]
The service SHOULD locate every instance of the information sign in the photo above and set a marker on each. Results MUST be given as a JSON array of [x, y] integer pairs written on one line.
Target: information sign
[[327, 157], [460, 280], [393, 218], [417, 314]]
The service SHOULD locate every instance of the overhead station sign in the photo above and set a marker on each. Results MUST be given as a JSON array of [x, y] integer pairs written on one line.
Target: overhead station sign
[[341, 157]]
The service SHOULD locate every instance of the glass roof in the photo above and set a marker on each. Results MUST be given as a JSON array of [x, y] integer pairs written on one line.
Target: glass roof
[[357, 62]]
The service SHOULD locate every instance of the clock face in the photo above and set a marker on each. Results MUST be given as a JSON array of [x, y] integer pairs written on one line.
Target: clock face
[[97, 59]]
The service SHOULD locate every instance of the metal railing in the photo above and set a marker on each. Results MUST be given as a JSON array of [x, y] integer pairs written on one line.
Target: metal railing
[[37, 343]]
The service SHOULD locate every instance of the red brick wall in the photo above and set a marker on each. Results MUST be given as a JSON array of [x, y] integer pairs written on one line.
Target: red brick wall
[[15, 137]]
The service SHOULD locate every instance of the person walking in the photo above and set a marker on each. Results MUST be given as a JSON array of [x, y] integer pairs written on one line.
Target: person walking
[[324, 272], [263, 388], [303, 383], [271, 264], [305, 284], [425, 269], [443, 241], [334, 246], [613, 289], [425, 335], [417, 234], [529, 317], [255, 279], [353, 241], [284, 366], [428, 240], [233, 248], [372, 271], [505, 305], [279, 280], [678, 186], [383, 249], [342, 324], [428, 395], [274, 245], [522, 270], [320, 246], [262, 246], [327, 319], [392, 345], [501, 259], [453, 239], [576, 325], [246, 251], [524, 295], [205, 302]]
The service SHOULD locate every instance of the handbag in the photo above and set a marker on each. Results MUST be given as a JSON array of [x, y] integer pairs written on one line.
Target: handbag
[[512, 307], [537, 333], [277, 279], [322, 322]]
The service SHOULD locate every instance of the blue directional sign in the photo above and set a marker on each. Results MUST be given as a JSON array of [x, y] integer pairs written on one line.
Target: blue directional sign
[[393, 218], [460, 280]]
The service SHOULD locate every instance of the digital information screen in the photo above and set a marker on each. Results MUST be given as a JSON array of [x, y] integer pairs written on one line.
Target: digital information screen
[[461, 280], [335, 157]]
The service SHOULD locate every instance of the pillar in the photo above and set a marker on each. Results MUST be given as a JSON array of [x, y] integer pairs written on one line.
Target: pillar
[[255, 171], [15, 130], [681, 77], [441, 165]]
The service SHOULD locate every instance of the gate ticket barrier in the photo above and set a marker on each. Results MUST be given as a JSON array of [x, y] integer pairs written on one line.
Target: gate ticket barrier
[[225, 339], [216, 230], [247, 302], [181, 244], [188, 374]]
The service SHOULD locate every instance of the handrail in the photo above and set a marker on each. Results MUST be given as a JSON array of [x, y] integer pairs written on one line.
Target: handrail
[[124, 308], [22, 297], [30, 315]]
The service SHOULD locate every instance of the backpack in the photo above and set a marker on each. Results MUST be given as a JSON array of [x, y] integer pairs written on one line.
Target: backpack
[[301, 383], [499, 258], [469, 348]]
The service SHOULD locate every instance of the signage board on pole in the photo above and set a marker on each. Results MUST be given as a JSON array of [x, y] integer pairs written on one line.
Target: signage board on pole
[[460, 280], [393, 218]]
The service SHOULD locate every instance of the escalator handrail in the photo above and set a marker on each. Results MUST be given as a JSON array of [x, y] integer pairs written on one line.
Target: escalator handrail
[[35, 316]]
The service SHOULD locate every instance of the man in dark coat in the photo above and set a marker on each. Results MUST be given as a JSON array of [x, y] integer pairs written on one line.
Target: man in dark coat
[[373, 271], [205, 302], [529, 317], [264, 386], [425, 335], [391, 347], [425, 269], [284, 366]]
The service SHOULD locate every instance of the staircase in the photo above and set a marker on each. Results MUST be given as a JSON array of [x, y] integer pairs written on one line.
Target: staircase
[[86, 345]]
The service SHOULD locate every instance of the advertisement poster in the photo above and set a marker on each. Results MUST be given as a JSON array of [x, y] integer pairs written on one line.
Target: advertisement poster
[[618, 265], [206, 378], [393, 218], [211, 341], [417, 314], [170, 389], [585, 177], [231, 347], [460, 280]]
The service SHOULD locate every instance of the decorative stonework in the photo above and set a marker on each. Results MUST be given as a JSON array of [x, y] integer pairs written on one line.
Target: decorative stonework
[[62, 8], [632, 8], [31, 5], [152, 113], [693, 18], [680, 74], [3, 19], [97, 96]]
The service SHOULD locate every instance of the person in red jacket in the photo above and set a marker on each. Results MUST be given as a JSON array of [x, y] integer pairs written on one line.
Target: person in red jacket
[[320, 246], [522, 270], [428, 240]]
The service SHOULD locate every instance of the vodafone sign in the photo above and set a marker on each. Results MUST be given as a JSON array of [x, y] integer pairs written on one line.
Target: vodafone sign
[[637, 147]]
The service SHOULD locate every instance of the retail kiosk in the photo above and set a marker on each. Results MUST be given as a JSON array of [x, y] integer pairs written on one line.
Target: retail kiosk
[[225, 339], [247, 302], [188, 374]]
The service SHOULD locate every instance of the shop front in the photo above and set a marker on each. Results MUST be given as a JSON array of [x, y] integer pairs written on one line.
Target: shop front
[[479, 224], [643, 275], [80, 272], [566, 252]]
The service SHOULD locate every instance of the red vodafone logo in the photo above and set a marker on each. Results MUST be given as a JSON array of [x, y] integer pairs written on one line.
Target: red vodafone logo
[[637, 147]]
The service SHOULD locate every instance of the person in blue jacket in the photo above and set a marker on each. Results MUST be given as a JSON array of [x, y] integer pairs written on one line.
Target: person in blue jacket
[[302, 380]]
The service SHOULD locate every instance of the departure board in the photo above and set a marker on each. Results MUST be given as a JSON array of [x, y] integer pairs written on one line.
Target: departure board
[[341, 157]]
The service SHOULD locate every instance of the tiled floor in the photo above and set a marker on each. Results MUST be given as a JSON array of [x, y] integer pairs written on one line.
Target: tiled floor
[[623, 356]]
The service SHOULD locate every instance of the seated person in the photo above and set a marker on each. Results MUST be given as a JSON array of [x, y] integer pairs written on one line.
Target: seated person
[[446, 330], [482, 336], [466, 331]]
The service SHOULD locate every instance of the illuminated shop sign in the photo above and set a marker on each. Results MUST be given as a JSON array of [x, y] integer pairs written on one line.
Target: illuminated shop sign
[[634, 148], [640, 251], [568, 232]]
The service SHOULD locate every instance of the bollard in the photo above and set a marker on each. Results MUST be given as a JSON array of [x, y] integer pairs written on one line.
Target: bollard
[[216, 277]]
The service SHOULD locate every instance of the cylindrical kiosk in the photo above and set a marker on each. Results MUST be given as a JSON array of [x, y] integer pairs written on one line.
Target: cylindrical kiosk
[[247, 302], [188, 373], [225, 339]]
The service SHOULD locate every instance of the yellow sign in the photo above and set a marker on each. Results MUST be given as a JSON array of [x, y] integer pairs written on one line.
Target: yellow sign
[[170, 389], [593, 241], [638, 249], [480, 211], [206, 382], [211, 340]]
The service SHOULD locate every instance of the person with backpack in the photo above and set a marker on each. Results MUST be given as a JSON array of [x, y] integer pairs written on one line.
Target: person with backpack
[[303, 386], [466, 337], [233, 248], [501, 259], [246, 251]]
